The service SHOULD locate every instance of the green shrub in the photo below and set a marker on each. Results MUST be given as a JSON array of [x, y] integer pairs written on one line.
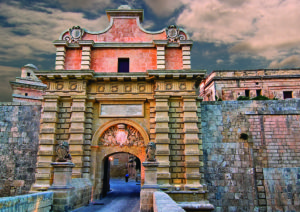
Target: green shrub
[[243, 98], [260, 98]]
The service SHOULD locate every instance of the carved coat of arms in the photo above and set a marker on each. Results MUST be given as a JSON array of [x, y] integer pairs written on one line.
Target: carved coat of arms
[[76, 33], [174, 35], [121, 135]]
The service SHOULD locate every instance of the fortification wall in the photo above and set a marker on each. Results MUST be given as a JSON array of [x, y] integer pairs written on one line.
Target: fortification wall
[[260, 172], [19, 137]]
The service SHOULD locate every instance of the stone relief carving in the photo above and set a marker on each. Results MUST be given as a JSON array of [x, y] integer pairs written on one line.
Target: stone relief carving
[[128, 88], [101, 88], [121, 135], [150, 151], [174, 34], [63, 153], [76, 33], [142, 88], [73, 85], [169, 86], [59, 85], [114, 88], [182, 86]]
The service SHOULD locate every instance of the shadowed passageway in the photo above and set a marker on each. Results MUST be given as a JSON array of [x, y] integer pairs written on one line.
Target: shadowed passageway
[[123, 197]]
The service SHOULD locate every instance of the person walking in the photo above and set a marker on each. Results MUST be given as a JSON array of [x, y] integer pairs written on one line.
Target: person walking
[[126, 177]]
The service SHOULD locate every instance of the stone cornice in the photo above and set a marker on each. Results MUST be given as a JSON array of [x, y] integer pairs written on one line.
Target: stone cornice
[[65, 74], [39, 86], [177, 74], [27, 97], [122, 45], [250, 78]]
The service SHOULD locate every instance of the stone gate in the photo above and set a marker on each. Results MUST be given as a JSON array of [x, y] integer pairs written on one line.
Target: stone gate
[[115, 91]]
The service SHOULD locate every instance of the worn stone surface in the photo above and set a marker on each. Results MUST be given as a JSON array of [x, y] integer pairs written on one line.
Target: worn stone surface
[[162, 202], [241, 174], [41, 201], [19, 137], [230, 84]]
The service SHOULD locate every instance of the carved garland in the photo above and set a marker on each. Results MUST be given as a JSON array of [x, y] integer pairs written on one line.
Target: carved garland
[[121, 135]]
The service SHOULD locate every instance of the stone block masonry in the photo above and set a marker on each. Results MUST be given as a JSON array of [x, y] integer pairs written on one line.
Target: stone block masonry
[[258, 173], [41, 201], [19, 138]]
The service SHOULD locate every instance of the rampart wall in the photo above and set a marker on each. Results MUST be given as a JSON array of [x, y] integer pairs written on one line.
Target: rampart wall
[[19, 137], [257, 173]]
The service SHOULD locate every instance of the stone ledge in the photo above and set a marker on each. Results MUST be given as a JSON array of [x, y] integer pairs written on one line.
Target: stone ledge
[[197, 206], [163, 202]]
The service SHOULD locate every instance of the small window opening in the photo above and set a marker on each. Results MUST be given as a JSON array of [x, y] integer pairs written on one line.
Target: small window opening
[[26, 94], [256, 83], [247, 93], [28, 74], [258, 92], [123, 65], [287, 94]]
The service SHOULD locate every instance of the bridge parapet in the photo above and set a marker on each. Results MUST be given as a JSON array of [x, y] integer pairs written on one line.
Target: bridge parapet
[[163, 202], [41, 201]]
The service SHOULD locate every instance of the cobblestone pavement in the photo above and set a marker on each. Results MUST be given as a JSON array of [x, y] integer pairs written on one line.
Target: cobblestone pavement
[[123, 197]]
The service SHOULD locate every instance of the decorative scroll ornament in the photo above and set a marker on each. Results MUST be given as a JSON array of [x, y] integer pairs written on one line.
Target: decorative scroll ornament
[[62, 151], [174, 35], [76, 33], [150, 151], [121, 135]]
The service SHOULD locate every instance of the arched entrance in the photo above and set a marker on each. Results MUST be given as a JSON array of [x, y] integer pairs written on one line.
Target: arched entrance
[[116, 136], [116, 166]]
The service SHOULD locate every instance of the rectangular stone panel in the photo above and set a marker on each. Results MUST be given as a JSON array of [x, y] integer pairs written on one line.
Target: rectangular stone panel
[[121, 110]]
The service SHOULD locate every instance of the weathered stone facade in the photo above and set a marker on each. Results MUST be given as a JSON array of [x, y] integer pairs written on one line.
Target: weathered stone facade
[[272, 83], [259, 173], [19, 124]]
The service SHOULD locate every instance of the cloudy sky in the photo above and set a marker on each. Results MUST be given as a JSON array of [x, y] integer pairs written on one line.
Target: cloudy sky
[[227, 34]]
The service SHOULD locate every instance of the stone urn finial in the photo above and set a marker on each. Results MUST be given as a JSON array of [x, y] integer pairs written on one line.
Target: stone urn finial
[[63, 153], [150, 151]]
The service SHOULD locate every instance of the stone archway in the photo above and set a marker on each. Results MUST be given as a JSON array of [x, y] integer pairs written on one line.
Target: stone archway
[[116, 136]]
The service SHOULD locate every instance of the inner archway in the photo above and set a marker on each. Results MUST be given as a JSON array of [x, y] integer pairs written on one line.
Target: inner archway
[[119, 168]]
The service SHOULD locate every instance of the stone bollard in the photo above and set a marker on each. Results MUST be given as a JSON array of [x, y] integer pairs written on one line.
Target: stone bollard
[[61, 187]]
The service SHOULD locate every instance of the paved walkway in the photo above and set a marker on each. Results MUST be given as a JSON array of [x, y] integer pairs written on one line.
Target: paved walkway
[[123, 197]]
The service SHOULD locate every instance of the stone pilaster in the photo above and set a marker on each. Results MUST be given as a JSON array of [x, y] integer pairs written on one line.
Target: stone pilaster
[[87, 140], [60, 58], [186, 57], [77, 137], [86, 57], [46, 153], [191, 140], [161, 60], [162, 140]]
